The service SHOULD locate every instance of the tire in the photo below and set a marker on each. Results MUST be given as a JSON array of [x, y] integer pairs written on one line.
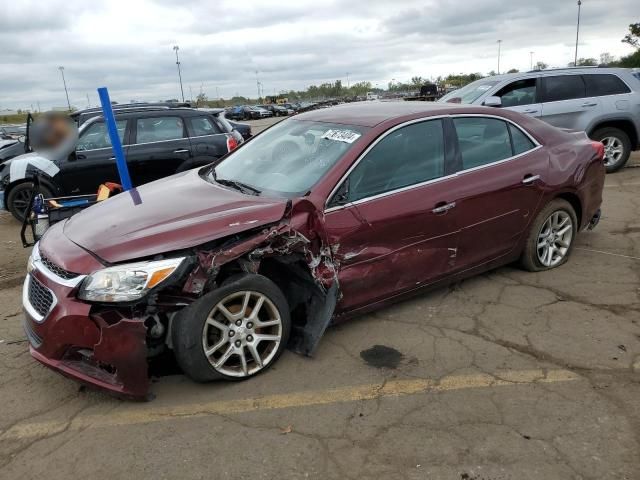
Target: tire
[[533, 258], [614, 140], [19, 196], [193, 332]]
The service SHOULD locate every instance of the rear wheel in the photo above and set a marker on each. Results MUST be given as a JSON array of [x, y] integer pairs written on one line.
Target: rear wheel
[[617, 147], [235, 332], [18, 198], [551, 237]]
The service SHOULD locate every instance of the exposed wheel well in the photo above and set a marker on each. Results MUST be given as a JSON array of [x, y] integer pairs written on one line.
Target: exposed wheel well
[[625, 125], [573, 199]]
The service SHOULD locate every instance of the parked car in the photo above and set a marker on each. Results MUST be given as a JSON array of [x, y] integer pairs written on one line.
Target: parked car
[[12, 132], [276, 110], [10, 149], [261, 112], [604, 102], [240, 131], [321, 217], [157, 143], [243, 112]]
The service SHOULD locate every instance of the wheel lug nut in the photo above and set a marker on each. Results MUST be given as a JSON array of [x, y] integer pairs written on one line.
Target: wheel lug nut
[[249, 338], [238, 343], [250, 325], [231, 333], [238, 322]]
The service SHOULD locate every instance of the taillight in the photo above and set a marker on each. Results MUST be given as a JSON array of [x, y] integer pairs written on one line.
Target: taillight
[[232, 143], [599, 148]]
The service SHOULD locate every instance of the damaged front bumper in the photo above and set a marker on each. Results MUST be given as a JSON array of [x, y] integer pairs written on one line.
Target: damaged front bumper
[[99, 351]]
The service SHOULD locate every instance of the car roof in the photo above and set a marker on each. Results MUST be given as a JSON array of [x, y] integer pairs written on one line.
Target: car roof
[[370, 114]]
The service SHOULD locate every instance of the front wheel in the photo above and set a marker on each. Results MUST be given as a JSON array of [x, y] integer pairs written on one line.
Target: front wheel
[[551, 237], [18, 198], [617, 147], [235, 332]]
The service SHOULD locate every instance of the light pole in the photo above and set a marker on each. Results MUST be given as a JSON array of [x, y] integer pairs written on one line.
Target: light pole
[[531, 54], [176, 48], [499, 45], [64, 82], [347, 80], [575, 58], [258, 85]]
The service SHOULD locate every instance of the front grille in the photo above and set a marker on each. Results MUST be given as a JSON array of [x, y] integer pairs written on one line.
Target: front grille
[[40, 297], [59, 271]]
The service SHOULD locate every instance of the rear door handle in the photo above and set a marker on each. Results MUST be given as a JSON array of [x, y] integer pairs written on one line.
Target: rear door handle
[[443, 208], [530, 179], [589, 104], [181, 150]]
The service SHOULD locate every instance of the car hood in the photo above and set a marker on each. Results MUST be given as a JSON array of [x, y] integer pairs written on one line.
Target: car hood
[[174, 213]]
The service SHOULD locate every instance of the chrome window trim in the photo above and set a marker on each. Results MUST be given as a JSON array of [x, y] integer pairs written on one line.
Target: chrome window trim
[[37, 263], [434, 180], [149, 143], [26, 304]]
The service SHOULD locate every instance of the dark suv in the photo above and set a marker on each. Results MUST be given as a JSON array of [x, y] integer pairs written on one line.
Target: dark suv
[[158, 142]]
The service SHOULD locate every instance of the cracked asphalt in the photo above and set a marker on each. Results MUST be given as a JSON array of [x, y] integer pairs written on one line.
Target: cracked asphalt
[[508, 375]]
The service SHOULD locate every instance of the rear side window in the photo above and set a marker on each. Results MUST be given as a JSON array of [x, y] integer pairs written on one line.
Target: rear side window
[[158, 129], [520, 92], [604, 84], [519, 141], [203, 126], [563, 87], [407, 156], [482, 140]]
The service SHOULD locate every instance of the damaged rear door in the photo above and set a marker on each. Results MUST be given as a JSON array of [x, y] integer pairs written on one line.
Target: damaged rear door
[[391, 222]]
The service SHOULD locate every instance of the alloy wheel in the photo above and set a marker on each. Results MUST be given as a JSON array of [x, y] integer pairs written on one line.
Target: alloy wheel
[[613, 150], [242, 334], [21, 201], [554, 238]]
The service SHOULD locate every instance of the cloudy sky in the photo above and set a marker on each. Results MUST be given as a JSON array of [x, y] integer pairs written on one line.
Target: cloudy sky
[[127, 45]]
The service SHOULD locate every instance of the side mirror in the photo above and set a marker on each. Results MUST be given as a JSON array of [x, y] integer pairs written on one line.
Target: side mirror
[[493, 102]]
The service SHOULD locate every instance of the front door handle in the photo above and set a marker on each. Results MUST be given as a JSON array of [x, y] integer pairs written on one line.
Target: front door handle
[[589, 104], [529, 179], [181, 150], [530, 111], [443, 207]]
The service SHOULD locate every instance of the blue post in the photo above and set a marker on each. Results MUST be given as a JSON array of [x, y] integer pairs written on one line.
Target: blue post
[[110, 121]]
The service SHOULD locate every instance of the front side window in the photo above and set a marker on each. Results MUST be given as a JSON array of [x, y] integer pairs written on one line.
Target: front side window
[[482, 140], [158, 129], [203, 126], [407, 156], [520, 92], [288, 158], [564, 87], [96, 136], [604, 84]]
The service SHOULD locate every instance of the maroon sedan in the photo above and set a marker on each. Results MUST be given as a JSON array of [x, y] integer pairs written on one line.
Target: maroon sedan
[[325, 215]]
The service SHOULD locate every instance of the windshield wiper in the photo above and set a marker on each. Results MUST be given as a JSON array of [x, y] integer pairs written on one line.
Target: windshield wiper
[[243, 187]]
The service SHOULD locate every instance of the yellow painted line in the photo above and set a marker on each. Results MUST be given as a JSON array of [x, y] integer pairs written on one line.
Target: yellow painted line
[[146, 413]]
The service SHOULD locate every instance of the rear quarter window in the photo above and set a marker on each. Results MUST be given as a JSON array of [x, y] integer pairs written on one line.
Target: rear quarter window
[[604, 84]]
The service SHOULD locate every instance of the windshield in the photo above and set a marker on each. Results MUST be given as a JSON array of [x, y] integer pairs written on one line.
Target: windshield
[[469, 93], [289, 158]]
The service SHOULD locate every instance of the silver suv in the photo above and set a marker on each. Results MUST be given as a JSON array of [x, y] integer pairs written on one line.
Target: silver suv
[[604, 102]]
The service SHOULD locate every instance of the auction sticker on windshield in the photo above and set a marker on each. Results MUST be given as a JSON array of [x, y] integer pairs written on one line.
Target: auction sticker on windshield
[[346, 136]]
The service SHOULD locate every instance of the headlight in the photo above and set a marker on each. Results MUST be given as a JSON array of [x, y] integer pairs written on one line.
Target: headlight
[[125, 283]]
